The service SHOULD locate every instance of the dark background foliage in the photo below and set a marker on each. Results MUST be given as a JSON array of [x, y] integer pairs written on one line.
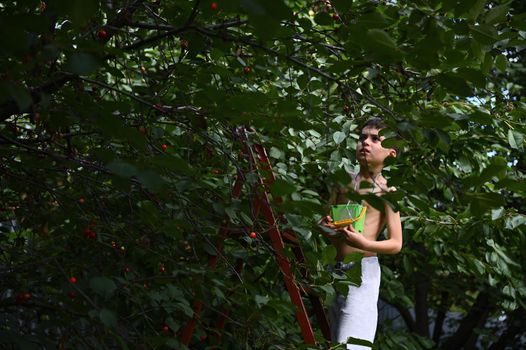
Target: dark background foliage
[[118, 158]]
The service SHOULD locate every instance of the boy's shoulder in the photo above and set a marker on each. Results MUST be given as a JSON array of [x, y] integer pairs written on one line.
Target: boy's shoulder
[[384, 186], [352, 185]]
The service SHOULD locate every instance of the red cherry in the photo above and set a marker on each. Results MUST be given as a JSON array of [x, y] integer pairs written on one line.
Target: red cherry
[[81, 200], [346, 109], [73, 279], [166, 329], [72, 295], [27, 296], [102, 34], [164, 146], [20, 298], [253, 235], [89, 233], [247, 69], [126, 269], [213, 6], [202, 338], [335, 16], [162, 269], [158, 107], [184, 44], [142, 130], [26, 59]]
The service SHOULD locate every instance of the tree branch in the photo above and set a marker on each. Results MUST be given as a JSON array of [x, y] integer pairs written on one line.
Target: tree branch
[[10, 107], [298, 62], [176, 30]]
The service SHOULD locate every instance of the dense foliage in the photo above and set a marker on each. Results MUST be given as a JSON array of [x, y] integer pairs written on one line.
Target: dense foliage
[[118, 158]]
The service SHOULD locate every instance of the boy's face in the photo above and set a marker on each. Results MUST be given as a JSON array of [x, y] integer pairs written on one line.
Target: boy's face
[[369, 150]]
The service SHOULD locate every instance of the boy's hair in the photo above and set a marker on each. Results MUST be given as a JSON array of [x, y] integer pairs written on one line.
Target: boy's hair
[[375, 122], [378, 123]]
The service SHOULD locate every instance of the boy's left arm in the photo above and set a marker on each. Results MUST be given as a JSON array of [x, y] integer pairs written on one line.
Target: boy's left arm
[[393, 245]]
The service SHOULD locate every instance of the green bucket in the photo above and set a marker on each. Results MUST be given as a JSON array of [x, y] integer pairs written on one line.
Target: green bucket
[[349, 214]]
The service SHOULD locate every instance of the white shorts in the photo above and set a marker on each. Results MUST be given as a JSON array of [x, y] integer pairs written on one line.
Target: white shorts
[[357, 314]]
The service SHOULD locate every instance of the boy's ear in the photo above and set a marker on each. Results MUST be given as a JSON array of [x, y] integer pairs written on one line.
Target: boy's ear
[[393, 153]]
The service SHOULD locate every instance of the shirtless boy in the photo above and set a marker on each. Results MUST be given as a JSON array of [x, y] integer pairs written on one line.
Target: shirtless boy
[[356, 314]]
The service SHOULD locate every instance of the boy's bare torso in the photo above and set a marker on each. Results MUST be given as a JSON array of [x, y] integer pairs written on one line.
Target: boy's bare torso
[[374, 219]]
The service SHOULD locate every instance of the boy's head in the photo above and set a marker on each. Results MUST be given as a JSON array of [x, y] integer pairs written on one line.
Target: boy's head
[[369, 150]]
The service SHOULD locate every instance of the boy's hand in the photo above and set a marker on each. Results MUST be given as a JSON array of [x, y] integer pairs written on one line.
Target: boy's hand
[[353, 238], [327, 222], [329, 230]]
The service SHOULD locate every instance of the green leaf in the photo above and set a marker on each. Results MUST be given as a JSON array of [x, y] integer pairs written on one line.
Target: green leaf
[[381, 45], [497, 14], [474, 76], [150, 180], [515, 221], [497, 213], [515, 139], [485, 34], [266, 16], [323, 19], [354, 274], [174, 344], [103, 286], [372, 20], [282, 187], [381, 37], [487, 64], [497, 166], [501, 62], [353, 257], [338, 137], [329, 254], [210, 249], [434, 119], [454, 84], [122, 169], [442, 140], [358, 341], [261, 300], [472, 8], [342, 6], [480, 203], [108, 318], [20, 95], [82, 64], [79, 11]]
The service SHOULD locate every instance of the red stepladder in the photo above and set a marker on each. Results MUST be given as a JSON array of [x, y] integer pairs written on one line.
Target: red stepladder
[[259, 162]]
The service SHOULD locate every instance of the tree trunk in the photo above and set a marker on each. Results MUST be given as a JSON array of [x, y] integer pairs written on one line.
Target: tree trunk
[[480, 308], [421, 306], [441, 316]]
